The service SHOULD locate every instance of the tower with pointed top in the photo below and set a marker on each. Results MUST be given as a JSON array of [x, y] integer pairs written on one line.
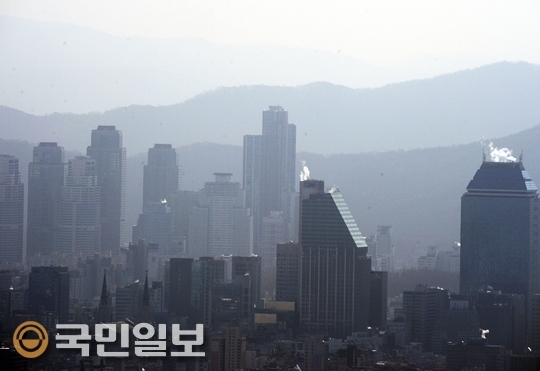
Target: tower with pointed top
[[146, 312], [104, 312]]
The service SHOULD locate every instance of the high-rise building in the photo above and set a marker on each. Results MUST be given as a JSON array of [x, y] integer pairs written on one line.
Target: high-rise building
[[499, 231], [272, 234], [288, 272], [155, 225], [11, 211], [46, 177], [269, 170], [385, 248], [80, 228], [106, 148], [422, 308], [228, 352], [221, 224], [161, 174], [178, 287], [181, 207], [48, 295], [249, 266], [335, 270]]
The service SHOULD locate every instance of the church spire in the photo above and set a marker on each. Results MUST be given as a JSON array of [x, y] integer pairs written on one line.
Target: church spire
[[146, 294], [104, 292]]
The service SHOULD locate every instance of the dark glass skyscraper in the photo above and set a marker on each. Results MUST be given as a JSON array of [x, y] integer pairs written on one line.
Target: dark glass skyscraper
[[336, 273], [499, 230], [106, 148], [269, 170], [11, 211], [48, 295], [46, 176]]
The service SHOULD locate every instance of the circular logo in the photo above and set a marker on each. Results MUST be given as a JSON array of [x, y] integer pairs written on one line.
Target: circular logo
[[31, 346]]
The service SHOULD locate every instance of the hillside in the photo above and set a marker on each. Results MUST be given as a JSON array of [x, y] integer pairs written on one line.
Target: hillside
[[488, 102]]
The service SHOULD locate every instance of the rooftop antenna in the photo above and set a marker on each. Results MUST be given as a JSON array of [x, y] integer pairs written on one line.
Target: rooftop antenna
[[483, 155], [521, 156]]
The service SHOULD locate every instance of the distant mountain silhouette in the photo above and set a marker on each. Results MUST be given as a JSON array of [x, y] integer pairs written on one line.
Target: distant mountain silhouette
[[462, 107], [416, 191], [57, 67]]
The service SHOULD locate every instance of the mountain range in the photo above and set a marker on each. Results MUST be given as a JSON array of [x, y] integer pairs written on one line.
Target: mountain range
[[458, 108], [51, 67]]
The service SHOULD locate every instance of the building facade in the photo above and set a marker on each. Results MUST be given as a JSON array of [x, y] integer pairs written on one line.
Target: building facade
[[161, 174], [335, 273], [499, 231], [106, 148], [46, 177], [269, 170], [80, 227], [220, 224], [11, 211]]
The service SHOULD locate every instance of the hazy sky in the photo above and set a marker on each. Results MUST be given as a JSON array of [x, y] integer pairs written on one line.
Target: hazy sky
[[379, 32]]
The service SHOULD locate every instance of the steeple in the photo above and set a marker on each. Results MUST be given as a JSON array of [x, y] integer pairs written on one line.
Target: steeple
[[146, 295], [104, 292]]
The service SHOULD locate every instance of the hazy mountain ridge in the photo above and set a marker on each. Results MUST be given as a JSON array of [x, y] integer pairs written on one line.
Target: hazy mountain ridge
[[416, 191], [462, 107]]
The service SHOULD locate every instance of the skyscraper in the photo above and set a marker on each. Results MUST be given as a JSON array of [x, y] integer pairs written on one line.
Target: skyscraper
[[269, 170], [499, 231], [335, 270], [221, 224], [48, 295], [106, 148], [155, 225], [80, 227], [160, 174], [46, 176], [11, 211]]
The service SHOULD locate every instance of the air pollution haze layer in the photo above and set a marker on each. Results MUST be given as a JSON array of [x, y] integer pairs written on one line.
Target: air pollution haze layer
[[58, 67]]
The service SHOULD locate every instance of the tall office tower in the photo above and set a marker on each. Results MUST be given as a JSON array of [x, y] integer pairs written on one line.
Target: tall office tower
[[269, 170], [221, 224], [80, 228], [128, 299], [48, 295], [178, 287], [504, 315], [385, 248], [46, 176], [288, 271], [11, 211], [181, 210], [272, 234], [160, 174], [335, 270], [155, 225], [206, 272], [249, 266], [422, 309], [378, 299], [106, 148], [499, 231]]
